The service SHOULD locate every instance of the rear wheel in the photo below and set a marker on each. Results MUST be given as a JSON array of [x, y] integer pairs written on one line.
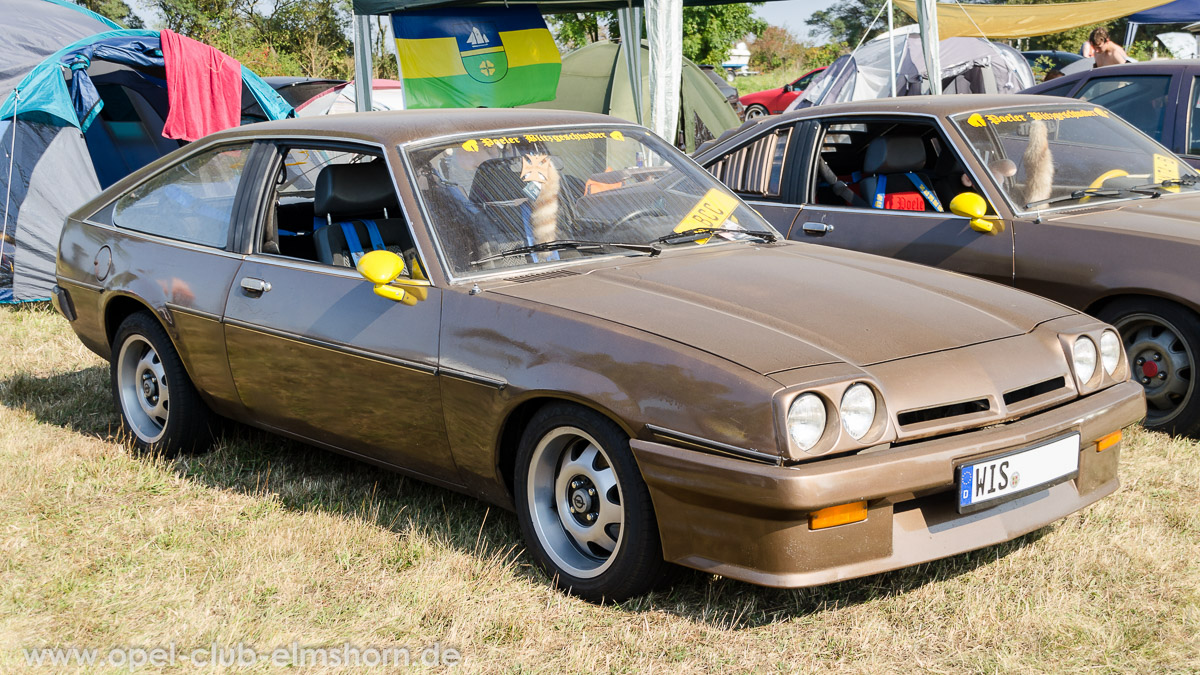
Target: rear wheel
[[755, 111], [1162, 341], [584, 511], [160, 408]]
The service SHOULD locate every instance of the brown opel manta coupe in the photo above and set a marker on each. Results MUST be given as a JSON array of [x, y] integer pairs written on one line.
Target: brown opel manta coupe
[[1058, 197], [563, 315]]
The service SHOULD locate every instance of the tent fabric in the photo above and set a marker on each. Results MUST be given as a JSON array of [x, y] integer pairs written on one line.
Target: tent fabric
[[1016, 21], [595, 79], [1180, 11], [111, 86], [969, 65], [34, 29], [664, 28]]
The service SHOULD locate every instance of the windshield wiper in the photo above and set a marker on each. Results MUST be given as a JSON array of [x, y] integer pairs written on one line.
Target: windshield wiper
[[1094, 192], [574, 244], [699, 232], [1186, 181]]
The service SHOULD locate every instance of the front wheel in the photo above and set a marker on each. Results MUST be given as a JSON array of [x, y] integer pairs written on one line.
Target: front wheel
[[160, 408], [1162, 341], [755, 111], [584, 511]]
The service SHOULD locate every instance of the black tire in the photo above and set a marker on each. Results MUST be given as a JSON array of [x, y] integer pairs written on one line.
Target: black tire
[[159, 406], [552, 479], [1150, 328], [755, 110]]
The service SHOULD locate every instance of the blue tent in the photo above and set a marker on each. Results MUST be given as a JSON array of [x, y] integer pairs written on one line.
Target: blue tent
[[1180, 11], [77, 120]]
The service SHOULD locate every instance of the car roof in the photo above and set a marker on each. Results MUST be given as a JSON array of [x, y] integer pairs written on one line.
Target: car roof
[[940, 106], [393, 127], [1165, 67]]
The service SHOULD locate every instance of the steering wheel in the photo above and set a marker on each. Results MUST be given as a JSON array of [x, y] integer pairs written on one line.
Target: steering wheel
[[1102, 178], [638, 213]]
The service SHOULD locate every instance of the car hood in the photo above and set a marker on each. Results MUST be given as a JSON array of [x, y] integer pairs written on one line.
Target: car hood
[[1170, 217], [761, 96], [788, 305]]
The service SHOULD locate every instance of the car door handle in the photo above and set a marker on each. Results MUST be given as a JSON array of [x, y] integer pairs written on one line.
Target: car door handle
[[816, 229], [252, 285]]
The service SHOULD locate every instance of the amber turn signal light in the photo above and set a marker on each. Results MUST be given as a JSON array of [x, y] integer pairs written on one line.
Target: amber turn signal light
[[837, 515], [1108, 441]]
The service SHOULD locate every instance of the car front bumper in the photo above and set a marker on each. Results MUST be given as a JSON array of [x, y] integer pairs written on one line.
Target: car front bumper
[[750, 521]]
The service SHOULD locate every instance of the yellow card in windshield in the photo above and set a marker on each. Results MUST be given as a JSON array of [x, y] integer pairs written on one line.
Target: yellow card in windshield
[[713, 209], [1166, 168]]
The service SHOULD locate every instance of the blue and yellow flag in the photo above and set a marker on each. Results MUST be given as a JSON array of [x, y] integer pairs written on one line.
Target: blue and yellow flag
[[478, 57]]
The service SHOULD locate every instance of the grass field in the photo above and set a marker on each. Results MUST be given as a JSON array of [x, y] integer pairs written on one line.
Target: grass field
[[267, 542]]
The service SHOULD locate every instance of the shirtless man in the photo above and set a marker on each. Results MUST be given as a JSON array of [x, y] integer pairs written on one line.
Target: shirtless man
[[1108, 53]]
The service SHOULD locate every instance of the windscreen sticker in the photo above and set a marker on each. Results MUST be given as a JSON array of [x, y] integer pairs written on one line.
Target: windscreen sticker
[[1166, 168], [475, 144], [713, 209], [984, 119]]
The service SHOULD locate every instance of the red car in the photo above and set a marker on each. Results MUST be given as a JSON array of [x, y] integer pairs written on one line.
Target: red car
[[775, 101]]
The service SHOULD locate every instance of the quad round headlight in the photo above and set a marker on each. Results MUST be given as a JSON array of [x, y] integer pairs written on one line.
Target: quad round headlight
[[806, 421], [1110, 351], [858, 410], [1083, 354]]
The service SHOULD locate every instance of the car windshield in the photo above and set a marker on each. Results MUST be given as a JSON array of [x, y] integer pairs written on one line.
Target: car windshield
[[1055, 156], [535, 197]]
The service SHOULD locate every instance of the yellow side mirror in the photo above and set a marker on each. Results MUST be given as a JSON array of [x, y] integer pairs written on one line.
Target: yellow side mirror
[[384, 268], [975, 207]]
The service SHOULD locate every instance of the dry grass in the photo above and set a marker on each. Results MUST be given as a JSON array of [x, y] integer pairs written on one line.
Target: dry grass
[[266, 542], [769, 80]]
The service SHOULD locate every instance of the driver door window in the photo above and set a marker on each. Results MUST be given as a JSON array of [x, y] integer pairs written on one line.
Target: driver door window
[[1140, 99]]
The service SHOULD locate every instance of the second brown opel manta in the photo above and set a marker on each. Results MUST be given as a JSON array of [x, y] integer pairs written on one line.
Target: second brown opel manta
[[563, 315]]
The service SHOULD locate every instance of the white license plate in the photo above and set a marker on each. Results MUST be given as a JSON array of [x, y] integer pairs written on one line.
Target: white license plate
[[996, 479]]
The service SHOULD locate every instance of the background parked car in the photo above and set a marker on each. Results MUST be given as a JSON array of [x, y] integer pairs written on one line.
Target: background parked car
[[719, 78], [1044, 61], [775, 101], [1068, 201], [1158, 97]]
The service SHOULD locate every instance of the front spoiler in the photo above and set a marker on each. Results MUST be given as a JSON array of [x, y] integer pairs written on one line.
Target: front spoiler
[[750, 521]]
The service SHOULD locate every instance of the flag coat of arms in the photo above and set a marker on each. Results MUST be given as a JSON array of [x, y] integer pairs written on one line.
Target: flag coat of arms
[[483, 57]]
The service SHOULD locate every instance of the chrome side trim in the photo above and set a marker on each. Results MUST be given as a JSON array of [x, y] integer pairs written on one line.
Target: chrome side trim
[[166, 241], [712, 447], [192, 311], [95, 288], [473, 378], [335, 347]]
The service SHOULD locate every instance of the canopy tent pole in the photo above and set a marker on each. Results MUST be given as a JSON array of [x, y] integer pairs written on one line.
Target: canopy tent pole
[[927, 19], [1129, 35], [664, 27], [640, 102], [631, 51], [362, 62], [892, 45]]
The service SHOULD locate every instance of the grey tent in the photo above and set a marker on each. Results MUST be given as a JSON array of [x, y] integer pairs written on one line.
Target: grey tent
[[595, 79], [969, 66], [85, 112]]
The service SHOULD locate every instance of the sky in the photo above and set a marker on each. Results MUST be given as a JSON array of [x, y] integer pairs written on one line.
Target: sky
[[791, 14]]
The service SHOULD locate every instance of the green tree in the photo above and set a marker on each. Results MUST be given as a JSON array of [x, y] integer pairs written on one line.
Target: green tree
[[708, 32], [117, 10], [849, 20]]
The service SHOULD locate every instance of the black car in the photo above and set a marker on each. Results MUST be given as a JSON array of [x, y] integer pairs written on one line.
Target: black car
[[717, 75], [1044, 61], [1155, 97]]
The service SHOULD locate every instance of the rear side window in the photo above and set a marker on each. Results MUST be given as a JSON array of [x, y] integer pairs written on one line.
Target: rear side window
[[755, 169], [1140, 99], [192, 201], [1060, 90]]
